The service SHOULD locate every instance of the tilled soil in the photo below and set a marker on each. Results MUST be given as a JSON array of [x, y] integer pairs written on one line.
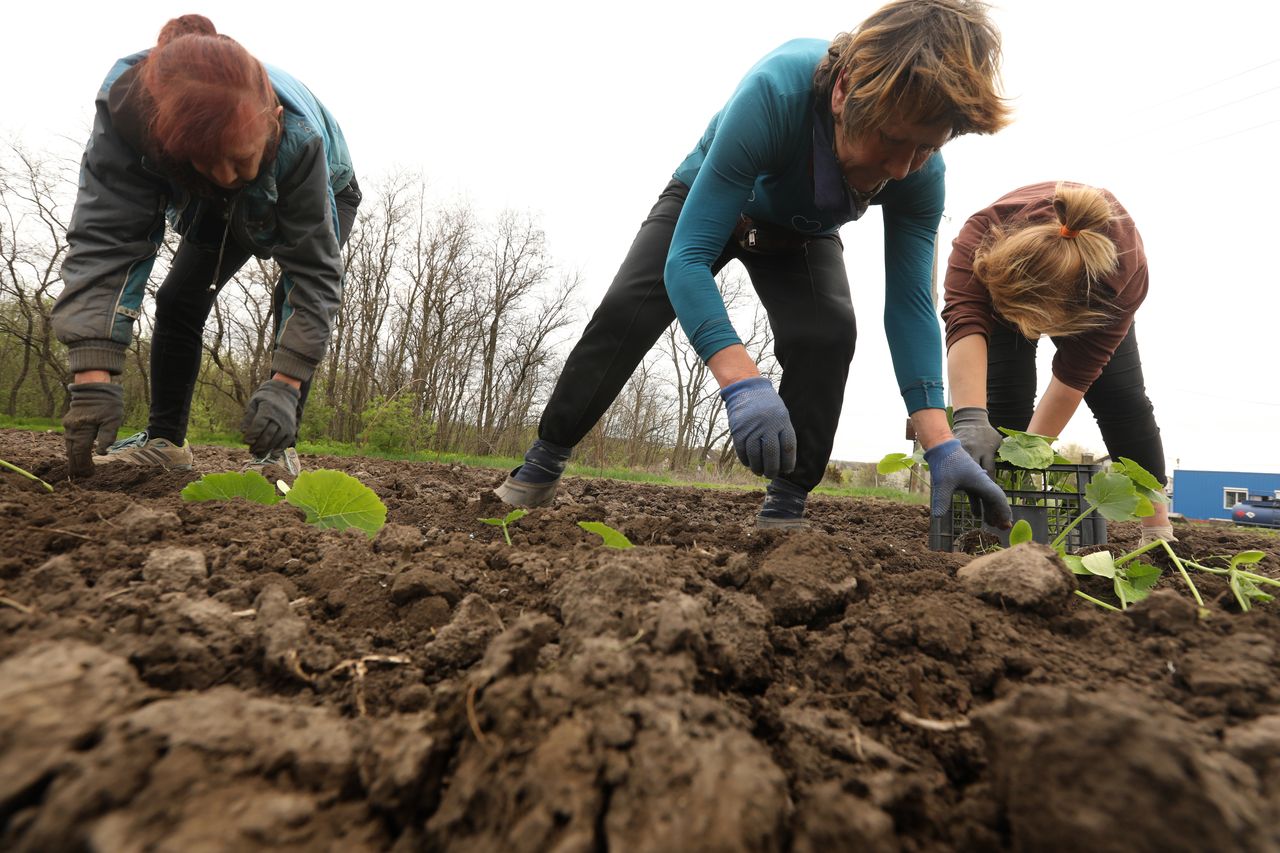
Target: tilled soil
[[222, 676]]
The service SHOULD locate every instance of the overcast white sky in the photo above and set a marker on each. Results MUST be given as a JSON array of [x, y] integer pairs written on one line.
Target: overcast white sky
[[579, 112]]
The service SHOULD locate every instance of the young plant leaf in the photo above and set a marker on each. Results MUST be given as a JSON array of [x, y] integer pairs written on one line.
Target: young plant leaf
[[1020, 533], [249, 485], [1113, 495], [1026, 450], [337, 500], [1145, 508], [1075, 564], [1099, 563], [1143, 576], [1140, 476], [1246, 558], [894, 462], [612, 538]]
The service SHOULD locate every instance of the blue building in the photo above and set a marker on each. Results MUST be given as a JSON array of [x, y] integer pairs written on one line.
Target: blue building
[[1212, 494]]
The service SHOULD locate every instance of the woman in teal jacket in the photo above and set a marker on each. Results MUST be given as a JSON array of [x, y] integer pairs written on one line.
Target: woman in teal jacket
[[244, 161], [814, 134]]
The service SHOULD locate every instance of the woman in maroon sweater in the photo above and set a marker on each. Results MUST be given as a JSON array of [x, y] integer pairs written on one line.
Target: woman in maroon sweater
[[1063, 261]]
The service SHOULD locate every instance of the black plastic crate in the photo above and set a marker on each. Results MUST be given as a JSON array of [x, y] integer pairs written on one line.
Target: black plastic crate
[[1047, 509]]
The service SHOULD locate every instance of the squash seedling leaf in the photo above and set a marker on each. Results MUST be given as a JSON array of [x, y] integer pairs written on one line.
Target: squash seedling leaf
[[1020, 533], [229, 485], [338, 500], [612, 538], [1026, 450], [1113, 496]]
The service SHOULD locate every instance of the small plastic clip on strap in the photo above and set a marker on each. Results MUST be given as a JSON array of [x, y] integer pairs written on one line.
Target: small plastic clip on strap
[[751, 238]]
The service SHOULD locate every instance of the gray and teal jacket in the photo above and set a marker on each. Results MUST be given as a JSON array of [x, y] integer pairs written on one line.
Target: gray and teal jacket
[[768, 154], [126, 194]]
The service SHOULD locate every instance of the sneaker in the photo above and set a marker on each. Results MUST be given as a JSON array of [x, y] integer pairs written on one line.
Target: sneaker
[[139, 449], [286, 459]]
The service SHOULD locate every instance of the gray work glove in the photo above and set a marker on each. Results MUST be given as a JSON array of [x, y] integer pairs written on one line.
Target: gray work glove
[[761, 427], [96, 413], [271, 418], [980, 439]]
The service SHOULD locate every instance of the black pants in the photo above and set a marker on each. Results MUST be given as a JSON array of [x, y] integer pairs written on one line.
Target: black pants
[[1117, 398], [183, 302], [805, 292]]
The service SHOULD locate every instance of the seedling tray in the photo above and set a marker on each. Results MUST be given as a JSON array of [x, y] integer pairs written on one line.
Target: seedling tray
[[1048, 500]]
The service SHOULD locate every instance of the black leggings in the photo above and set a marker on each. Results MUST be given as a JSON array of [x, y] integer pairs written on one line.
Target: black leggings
[[805, 292], [1117, 398], [183, 302]]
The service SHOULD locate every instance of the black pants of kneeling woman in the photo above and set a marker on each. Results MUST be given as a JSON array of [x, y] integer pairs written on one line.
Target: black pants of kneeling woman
[[1117, 398]]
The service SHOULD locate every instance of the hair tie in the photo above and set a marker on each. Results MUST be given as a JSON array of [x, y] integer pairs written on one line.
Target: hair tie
[[1067, 232]]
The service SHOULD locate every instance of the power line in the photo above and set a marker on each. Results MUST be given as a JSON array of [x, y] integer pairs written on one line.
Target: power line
[[1228, 135], [1219, 82]]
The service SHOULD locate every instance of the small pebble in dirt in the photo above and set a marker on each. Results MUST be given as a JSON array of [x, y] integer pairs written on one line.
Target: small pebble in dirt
[[175, 568]]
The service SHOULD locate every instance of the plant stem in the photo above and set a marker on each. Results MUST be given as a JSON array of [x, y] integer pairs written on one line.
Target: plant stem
[[1138, 553], [1103, 604], [1183, 570], [26, 474], [505, 534]]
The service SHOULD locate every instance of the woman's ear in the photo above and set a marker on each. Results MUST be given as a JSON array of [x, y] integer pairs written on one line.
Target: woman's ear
[[838, 96]]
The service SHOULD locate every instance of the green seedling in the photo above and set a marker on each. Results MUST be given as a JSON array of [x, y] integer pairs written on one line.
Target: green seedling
[[894, 462], [1020, 533], [612, 538], [330, 499], [1132, 581], [1244, 584], [25, 473], [507, 520]]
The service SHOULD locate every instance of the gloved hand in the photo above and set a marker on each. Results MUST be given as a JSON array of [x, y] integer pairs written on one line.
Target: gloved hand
[[1151, 533], [271, 418], [761, 427], [979, 437], [951, 468], [96, 413]]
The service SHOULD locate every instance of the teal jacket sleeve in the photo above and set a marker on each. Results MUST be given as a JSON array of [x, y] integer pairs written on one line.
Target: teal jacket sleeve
[[745, 142], [912, 209]]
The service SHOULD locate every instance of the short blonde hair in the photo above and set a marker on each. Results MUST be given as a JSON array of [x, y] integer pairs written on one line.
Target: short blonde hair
[[1046, 277], [924, 61]]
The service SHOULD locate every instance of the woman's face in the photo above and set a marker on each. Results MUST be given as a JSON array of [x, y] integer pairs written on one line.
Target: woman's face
[[239, 163], [890, 152]]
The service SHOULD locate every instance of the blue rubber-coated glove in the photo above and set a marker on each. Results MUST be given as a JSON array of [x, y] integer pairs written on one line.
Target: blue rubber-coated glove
[[761, 426], [951, 468]]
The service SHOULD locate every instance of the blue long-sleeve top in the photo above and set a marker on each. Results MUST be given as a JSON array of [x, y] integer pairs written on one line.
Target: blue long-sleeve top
[[768, 154]]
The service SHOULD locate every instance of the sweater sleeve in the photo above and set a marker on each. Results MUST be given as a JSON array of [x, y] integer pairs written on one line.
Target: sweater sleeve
[[911, 215], [968, 310], [745, 140], [115, 231], [311, 261]]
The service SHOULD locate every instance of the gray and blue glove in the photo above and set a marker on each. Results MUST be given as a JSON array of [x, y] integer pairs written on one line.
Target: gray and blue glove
[[271, 419], [950, 468], [761, 427], [972, 427]]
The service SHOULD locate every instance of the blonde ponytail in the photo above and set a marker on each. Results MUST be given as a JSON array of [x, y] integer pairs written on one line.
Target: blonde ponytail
[[1043, 276]]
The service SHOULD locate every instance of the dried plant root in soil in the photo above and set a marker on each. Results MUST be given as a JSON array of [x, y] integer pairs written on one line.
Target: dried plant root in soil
[[197, 674]]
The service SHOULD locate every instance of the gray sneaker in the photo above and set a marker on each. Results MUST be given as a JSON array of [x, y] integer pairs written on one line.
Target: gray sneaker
[[146, 452], [286, 459]]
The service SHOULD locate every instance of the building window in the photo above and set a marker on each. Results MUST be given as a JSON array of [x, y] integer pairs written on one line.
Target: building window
[[1231, 497]]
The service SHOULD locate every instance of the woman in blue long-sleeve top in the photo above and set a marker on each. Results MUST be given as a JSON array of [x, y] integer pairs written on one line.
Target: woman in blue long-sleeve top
[[814, 133]]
